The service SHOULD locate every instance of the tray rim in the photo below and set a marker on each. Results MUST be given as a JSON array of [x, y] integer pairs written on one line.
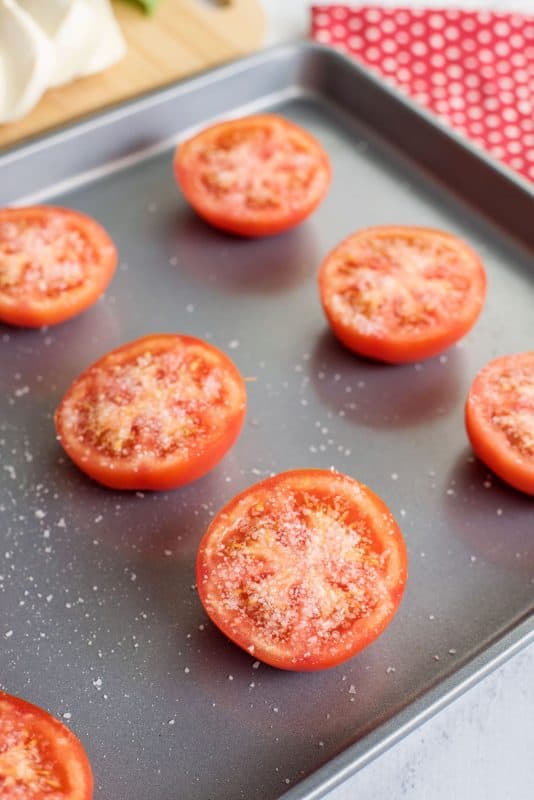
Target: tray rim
[[520, 633], [165, 91]]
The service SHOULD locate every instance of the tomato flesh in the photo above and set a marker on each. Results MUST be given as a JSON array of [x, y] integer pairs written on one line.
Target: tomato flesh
[[53, 264], [302, 570], [40, 759], [499, 418], [254, 176], [401, 294], [156, 413]]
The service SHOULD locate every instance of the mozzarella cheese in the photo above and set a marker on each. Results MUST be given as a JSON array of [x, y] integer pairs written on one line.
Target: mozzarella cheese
[[50, 43], [26, 59]]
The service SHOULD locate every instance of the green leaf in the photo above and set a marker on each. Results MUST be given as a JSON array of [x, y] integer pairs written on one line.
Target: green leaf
[[148, 6]]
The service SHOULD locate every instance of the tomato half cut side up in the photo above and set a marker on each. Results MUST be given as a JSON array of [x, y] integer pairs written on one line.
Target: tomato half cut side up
[[401, 294], [40, 758], [156, 413], [54, 263], [253, 176], [499, 418], [303, 570]]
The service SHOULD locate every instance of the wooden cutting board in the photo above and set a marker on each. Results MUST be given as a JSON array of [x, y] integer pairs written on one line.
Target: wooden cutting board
[[181, 37]]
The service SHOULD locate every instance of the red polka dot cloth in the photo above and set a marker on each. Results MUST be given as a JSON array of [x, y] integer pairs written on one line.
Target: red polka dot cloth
[[475, 70]]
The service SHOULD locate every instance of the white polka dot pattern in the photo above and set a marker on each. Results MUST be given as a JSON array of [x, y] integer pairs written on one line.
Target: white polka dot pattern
[[475, 70]]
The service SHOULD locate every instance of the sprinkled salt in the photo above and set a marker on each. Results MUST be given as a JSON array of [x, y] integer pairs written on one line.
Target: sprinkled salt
[[352, 689], [8, 634], [233, 344], [255, 665], [67, 715]]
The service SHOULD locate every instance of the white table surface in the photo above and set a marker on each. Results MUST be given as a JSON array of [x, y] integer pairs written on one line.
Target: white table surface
[[480, 747]]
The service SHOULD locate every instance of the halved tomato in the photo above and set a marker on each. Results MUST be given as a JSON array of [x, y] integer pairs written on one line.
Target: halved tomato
[[400, 294], [303, 570], [499, 418], [40, 758], [156, 413], [54, 263], [253, 176]]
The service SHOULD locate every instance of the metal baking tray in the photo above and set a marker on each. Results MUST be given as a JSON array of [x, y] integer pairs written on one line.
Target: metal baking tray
[[99, 618]]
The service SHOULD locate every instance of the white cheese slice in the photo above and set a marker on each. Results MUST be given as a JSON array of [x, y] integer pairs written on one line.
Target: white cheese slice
[[26, 62], [84, 33], [110, 46]]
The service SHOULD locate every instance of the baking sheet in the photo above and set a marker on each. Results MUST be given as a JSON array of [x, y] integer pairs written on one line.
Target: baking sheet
[[99, 618]]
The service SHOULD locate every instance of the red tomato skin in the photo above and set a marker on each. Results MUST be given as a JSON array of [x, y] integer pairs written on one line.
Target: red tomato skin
[[365, 630], [396, 351], [487, 444], [28, 314], [239, 225], [68, 749], [158, 476]]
